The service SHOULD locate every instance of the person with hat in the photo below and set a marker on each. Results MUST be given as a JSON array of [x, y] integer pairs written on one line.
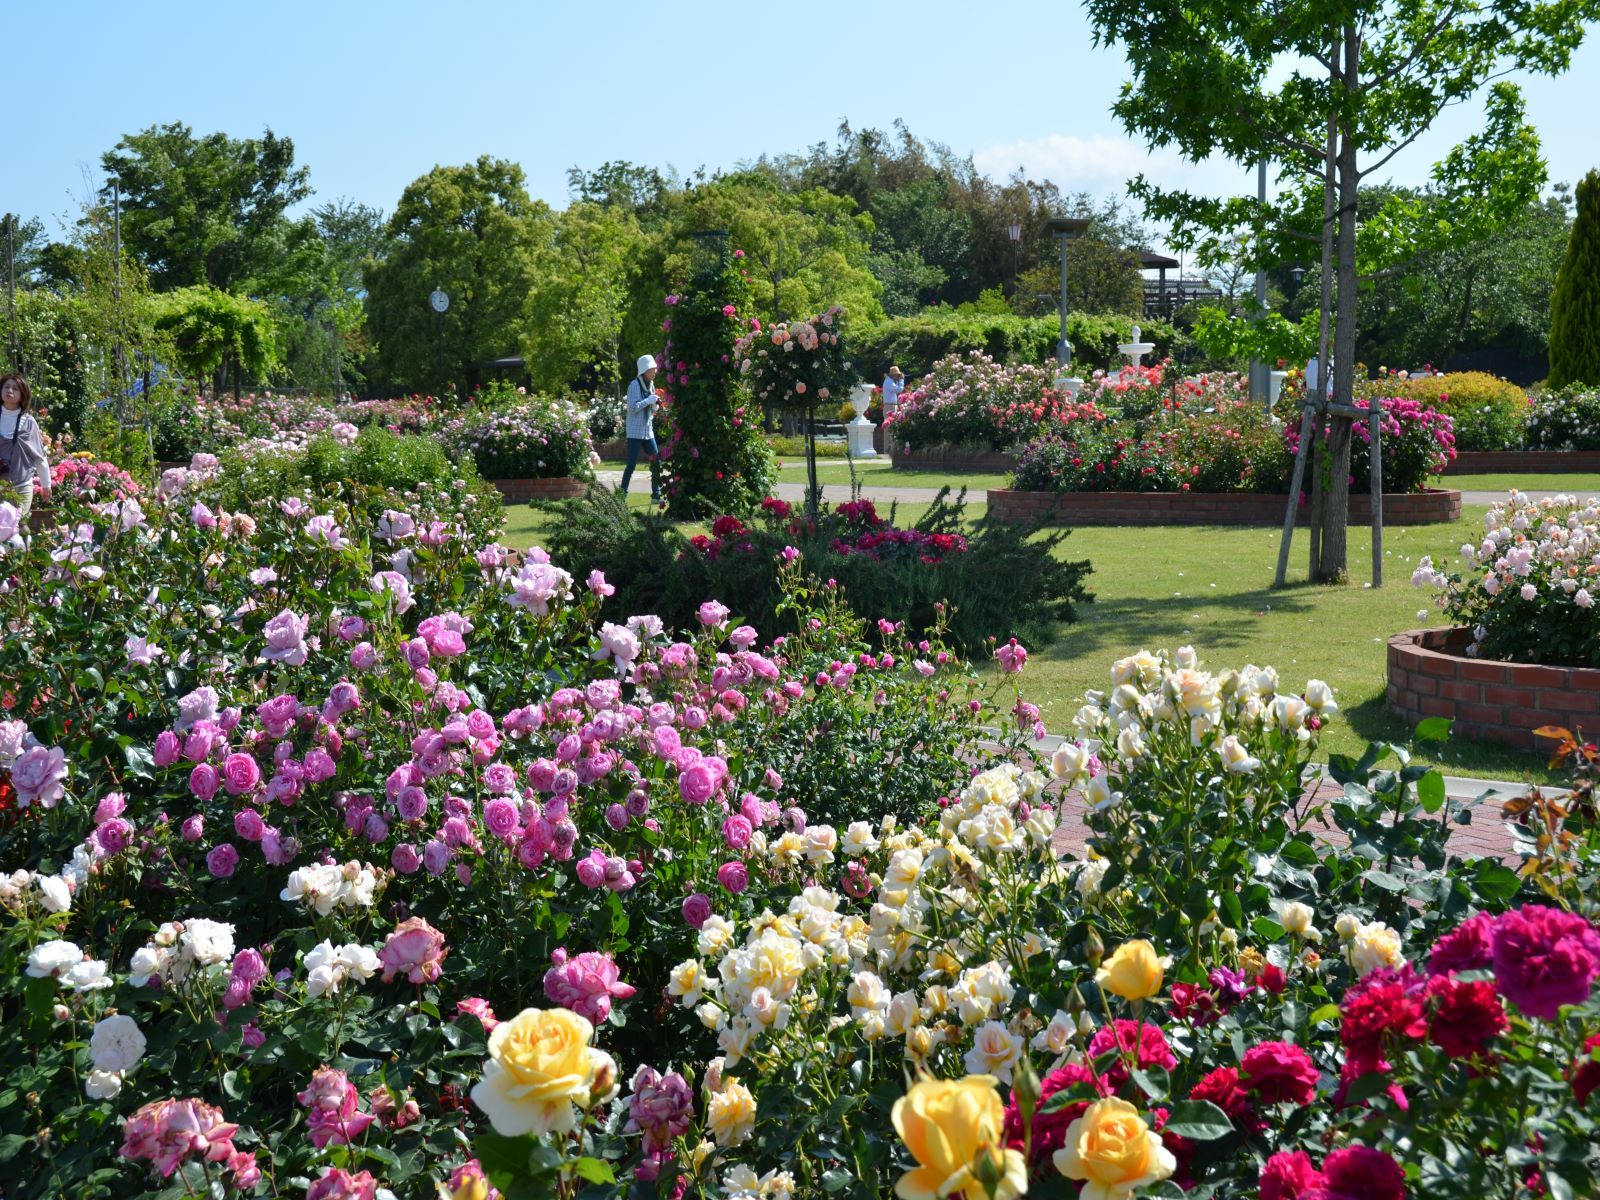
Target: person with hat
[[642, 405], [893, 384]]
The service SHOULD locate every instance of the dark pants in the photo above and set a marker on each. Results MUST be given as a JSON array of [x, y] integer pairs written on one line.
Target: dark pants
[[646, 447]]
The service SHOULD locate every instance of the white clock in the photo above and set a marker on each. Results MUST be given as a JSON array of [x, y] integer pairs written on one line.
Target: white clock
[[439, 300]]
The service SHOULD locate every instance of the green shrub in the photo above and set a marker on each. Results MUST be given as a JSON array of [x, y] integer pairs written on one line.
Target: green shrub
[[916, 343], [1565, 419], [375, 471], [1488, 413], [991, 579]]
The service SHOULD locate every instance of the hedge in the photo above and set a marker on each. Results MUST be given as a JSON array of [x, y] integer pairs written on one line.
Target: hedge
[[916, 343]]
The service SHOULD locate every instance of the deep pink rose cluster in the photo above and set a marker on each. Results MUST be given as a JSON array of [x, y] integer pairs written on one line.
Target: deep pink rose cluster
[[586, 983]]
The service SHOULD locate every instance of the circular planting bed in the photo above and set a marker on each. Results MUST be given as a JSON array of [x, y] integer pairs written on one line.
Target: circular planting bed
[[1430, 675], [1431, 507], [520, 491]]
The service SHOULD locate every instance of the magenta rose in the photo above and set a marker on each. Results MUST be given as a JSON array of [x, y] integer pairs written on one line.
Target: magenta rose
[[733, 876], [240, 774], [416, 950], [736, 831], [168, 748], [1289, 1175], [1544, 958], [500, 815], [697, 782], [1362, 1173], [1468, 947], [222, 860], [696, 909], [1279, 1072], [278, 715], [586, 984]]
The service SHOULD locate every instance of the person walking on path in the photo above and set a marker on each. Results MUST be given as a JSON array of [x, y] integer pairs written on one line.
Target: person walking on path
[[893, 384], [22, 458], [642, 404]]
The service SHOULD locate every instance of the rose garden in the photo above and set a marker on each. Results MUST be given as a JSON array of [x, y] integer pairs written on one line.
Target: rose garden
[[390, 806]]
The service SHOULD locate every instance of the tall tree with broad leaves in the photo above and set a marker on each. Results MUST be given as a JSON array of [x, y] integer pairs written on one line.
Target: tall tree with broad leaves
[[205, 210], [473, 232], [1329, 94]]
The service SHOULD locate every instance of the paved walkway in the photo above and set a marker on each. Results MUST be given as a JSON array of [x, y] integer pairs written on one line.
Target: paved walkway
[[885, 493]]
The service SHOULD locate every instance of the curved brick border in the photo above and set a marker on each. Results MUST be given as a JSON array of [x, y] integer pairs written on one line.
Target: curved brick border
[[953, 458], [1206, 508], [1526, 462], [1430, 676], [520, 491]]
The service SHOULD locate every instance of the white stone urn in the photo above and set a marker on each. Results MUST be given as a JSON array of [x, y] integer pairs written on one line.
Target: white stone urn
[[858, 433]]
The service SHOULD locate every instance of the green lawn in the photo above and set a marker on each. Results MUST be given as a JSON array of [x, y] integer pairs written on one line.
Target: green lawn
[[1160, 588], [1583, 485], [882, 475]]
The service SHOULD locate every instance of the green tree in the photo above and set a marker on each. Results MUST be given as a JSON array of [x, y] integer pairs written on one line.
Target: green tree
[[1364, 80], [205, 210], [213, 333], [577, 308], [1575, 305], [473, 232]]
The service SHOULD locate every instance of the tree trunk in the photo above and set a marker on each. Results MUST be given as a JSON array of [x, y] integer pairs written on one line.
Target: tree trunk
[[1333, 566]]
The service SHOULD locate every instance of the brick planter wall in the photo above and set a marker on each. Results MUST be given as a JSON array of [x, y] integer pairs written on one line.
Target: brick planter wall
[[520, 491], [1200, 508], [616, 451], [953, 458], [1431, 676], [1527, 462]]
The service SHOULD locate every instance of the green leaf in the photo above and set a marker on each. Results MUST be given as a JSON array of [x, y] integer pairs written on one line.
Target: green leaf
[[594, 1170], [1326, 1013], [1199, 1120], [1430, 792], [1432, 729], [1154, 1081]]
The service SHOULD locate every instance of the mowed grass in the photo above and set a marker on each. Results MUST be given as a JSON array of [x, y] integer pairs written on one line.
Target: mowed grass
[[1583, 485], [1211, 587]]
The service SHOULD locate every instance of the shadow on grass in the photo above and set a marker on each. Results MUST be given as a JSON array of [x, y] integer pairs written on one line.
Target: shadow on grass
[[1230, 620], [1374, 721]]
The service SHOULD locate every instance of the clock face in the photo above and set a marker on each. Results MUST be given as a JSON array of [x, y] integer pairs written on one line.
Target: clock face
[[439, 300]]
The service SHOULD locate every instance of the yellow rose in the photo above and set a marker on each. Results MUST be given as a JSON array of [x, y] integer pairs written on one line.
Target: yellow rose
[[1113, 1151], [731, 1113], [949, 1126], [1132, 972], [540, 1065]]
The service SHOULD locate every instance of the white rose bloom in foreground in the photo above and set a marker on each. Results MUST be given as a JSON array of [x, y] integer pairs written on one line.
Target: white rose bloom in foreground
[[116, 1044]]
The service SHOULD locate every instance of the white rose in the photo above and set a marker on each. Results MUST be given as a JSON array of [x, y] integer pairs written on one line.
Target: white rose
[[209, 942], [54, 893], [1295, 917], [90, 975], [1068, 762], [1235, 758], [995, 1051], [102, 1085], [1320, 697], [50, 959], [116, 1044]]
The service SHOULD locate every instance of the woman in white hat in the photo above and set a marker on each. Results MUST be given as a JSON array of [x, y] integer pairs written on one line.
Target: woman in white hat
[[642, 404]]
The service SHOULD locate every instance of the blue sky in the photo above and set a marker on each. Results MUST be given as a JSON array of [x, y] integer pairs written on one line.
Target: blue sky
[[374, 95]]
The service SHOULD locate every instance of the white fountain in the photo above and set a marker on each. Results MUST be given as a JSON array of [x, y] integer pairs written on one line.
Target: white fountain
[[1134, 349], [859, 432]]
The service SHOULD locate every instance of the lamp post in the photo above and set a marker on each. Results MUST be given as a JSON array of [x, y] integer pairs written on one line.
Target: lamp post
[[1064, 229], [1014, 231], [1259, 386], [439, 301]]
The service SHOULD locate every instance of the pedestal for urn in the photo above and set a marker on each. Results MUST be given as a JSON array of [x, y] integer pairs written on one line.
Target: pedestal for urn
[[858, 433]]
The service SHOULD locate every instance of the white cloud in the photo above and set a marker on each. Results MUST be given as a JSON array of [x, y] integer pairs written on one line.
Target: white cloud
[[1093, 164]]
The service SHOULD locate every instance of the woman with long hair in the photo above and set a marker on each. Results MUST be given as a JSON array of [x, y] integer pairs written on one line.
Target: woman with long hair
[[23, 464]]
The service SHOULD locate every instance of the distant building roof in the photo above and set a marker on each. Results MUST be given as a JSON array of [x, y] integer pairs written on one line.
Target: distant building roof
[[1149, 260]]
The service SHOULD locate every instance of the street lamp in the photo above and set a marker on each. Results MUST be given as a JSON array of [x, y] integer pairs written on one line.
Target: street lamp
[[1064, 229], [1014, 231]]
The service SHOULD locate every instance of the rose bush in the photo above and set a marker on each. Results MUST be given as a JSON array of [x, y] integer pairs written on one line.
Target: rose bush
[[521, 437], [1527, 591], [348, 855]]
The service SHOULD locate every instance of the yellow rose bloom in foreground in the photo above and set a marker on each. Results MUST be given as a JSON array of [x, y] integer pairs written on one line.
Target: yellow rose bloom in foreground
[[947, 1125], [731, 1113], [540, 1066], [1133, 972], [1113, 1151]]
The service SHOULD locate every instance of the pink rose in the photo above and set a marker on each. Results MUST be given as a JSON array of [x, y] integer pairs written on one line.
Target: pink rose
[[203, 781], [586, 984], [1279, 1072], [222, 860], [416, 950], [733, 876], [477, 1006], [1289, 1176], [241, 774]]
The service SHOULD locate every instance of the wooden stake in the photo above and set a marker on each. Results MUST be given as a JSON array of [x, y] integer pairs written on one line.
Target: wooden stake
[[1294, 498]]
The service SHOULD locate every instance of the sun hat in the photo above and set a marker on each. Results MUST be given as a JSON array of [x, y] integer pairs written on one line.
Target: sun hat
[[645, 363]]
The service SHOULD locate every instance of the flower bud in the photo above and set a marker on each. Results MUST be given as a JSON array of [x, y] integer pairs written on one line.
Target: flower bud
[[1093, 949]]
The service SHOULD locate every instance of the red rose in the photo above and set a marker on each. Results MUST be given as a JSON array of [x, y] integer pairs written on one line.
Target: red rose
[[1280, 1072], [1467, 1016], [1289, 1176], [1050, 1129], [1222, 1088], [1272, 979], [1124, 1036], [1385, 1002], [1586, 1071]]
